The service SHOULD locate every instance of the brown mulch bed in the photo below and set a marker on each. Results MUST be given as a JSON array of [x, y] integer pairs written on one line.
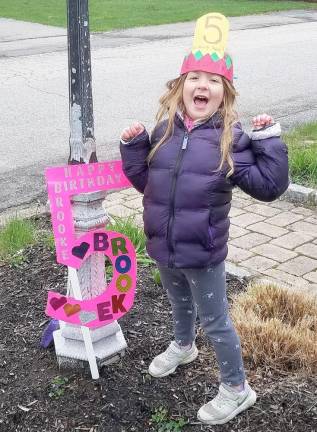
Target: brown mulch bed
[[125, 397]]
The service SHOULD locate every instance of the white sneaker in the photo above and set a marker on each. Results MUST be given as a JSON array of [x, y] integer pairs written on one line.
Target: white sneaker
[[226, 405], [167, 362]]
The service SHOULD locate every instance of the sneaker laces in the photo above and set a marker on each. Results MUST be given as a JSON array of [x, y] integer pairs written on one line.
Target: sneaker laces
[[223, 398], [170, 353]]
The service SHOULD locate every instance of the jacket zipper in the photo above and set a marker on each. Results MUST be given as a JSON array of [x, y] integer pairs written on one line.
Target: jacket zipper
[[172, 200], [172, 194]]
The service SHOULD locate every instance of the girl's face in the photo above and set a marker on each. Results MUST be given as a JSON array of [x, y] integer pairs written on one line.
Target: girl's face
[[202, 94]]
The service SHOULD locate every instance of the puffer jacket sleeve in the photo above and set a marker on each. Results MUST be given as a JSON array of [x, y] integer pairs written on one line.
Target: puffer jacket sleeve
[[260, 165], [134, 160]]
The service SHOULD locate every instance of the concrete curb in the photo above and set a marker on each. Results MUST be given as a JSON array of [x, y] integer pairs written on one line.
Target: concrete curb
[[300, 195], [249, 276], [22, 212]]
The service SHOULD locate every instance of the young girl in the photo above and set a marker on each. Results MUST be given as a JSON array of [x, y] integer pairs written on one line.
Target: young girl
[[187, 171]]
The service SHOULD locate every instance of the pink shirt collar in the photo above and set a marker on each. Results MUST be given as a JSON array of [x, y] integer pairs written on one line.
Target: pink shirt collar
[[189, 122]]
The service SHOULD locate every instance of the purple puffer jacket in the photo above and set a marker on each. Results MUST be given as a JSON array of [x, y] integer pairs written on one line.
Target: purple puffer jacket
[[187, 200]]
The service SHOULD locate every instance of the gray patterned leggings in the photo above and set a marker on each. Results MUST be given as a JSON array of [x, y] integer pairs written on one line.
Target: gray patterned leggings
[[205, 290]]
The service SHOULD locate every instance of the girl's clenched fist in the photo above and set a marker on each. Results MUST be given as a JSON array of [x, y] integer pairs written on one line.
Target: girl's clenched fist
[[131, 132]]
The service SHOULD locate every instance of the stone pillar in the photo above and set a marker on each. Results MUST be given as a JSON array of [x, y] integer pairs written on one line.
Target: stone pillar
[[108, 341]]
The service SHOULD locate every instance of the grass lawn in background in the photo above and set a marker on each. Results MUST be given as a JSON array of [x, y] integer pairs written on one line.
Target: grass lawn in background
[[302, 146], [112, 14]]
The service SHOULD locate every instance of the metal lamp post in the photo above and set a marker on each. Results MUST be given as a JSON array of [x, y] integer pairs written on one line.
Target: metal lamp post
[[82, 141], [88, 214]]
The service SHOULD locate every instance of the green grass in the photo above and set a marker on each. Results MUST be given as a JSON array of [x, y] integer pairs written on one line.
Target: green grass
[[129, 228], [14, 237], [48, 240], [156, 277], [112, 14], [302, 151], [18, 234]]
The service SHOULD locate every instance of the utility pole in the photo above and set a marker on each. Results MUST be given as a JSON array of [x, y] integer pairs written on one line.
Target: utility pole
[[88, 212], [81, 118]]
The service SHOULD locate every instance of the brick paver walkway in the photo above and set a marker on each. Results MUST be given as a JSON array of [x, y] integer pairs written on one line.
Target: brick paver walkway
[[275, 240]]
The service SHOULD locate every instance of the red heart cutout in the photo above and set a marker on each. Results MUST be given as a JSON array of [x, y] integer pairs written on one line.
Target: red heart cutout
[[57, 302], [71, 309]]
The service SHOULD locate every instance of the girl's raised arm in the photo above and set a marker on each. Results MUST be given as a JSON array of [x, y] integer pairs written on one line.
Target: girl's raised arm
[[261, 160], [134, 149], [132, 131]]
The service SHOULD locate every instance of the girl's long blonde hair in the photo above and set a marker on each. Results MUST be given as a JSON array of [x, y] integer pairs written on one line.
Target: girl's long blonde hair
[[172, 100]]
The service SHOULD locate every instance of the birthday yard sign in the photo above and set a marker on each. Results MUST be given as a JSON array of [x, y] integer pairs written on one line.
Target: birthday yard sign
[[117, 298]]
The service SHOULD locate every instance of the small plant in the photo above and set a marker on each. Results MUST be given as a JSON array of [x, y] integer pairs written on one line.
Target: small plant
[[14, 238], [57, 387], [108, 270], [48, 239], [164, 423], [129, 228], [157, 277]]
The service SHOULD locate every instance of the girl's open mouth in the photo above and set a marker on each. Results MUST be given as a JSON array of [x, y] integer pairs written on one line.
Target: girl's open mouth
[[200, 101]]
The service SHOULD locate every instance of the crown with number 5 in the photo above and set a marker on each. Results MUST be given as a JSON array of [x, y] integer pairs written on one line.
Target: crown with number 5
[[208, 51]]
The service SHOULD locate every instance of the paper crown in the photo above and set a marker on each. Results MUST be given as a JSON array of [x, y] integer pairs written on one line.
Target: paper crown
[[208, 51]]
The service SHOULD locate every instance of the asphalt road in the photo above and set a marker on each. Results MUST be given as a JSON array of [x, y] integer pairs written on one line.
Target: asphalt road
[[275, 64]]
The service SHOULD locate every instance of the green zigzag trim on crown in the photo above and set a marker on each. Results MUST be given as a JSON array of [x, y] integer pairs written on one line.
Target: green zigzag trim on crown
[[198, 55], [228, 62], [214, 56]]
